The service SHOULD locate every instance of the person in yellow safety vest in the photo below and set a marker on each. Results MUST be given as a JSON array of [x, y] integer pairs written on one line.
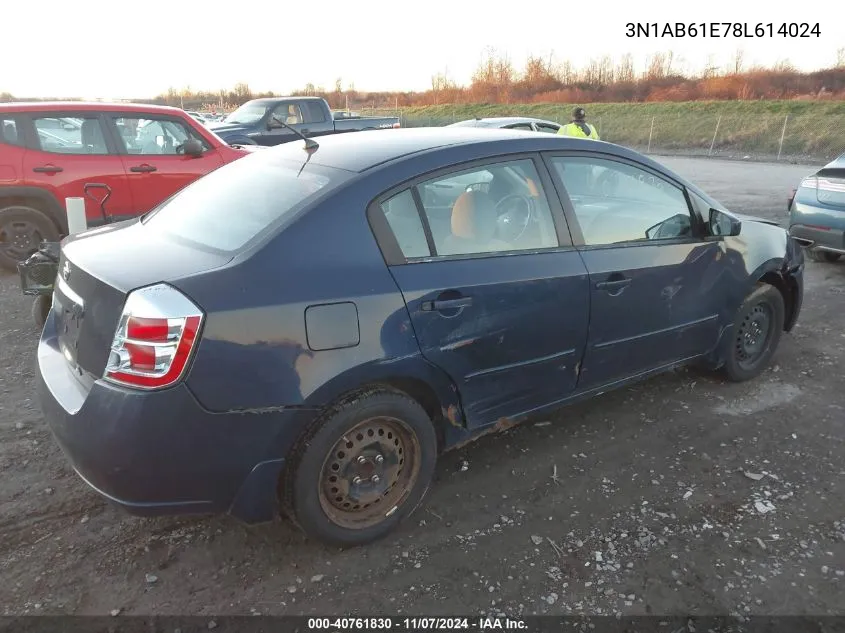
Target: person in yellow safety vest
[[579, 127]]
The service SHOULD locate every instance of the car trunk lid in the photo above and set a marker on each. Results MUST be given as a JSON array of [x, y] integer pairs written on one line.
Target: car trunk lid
[[94, 280]]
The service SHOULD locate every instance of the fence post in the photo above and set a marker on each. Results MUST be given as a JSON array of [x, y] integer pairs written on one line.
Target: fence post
[[713, 142], [650, 132], [782, 134]]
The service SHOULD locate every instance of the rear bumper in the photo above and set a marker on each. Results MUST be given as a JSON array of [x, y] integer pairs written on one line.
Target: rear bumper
[[832, 240], [155, 453]]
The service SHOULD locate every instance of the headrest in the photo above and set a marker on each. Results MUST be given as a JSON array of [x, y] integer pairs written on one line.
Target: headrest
[[474, 216]]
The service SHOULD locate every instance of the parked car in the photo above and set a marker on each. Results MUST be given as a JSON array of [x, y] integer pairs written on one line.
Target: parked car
[[305, 329], [817, 212], [199, 117], [511, 123], [257, 122], [50, 150]]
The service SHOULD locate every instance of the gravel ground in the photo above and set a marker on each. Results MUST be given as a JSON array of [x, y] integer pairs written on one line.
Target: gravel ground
[[684, 494]]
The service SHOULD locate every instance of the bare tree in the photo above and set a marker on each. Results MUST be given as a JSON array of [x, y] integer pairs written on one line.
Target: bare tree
[[739, 56], [625, 69]]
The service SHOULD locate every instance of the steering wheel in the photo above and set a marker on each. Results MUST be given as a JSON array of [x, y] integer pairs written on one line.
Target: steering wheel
[[515, 212]]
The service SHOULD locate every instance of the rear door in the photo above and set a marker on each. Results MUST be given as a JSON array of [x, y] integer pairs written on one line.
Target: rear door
[[655, 291], [317, 120], [151, 152], [71, 149], [498, 297]]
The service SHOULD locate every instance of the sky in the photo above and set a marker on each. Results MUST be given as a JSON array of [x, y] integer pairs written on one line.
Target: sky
[[118, 49]]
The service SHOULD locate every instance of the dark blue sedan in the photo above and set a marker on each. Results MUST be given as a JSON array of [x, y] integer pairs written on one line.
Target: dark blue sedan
[[304, 330]]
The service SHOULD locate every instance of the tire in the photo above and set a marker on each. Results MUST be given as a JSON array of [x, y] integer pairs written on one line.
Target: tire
[[349, 509], [22, 229], [40, 309], [749, 355], [825, 256]]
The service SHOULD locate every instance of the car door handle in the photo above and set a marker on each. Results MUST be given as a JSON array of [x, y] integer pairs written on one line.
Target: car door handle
[[447, 304], [304, 131], [48, 169], [142, 168], [616, 284]]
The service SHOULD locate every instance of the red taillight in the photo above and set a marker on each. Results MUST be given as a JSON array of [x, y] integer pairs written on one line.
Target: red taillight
[[397, 125], [154, 339]]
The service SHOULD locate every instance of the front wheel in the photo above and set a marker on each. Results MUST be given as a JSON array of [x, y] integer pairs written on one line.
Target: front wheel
[[365, 465], [757, 331]]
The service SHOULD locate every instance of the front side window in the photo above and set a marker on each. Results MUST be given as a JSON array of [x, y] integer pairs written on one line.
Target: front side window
[[288, 113], [156, 136], [499, 207], [618, 202], [71, 135]]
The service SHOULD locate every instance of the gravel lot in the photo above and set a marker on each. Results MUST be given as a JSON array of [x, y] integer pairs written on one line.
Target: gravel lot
[[681, 495]]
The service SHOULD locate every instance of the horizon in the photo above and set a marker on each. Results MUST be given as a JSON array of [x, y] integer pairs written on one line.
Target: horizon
[[382, 51]]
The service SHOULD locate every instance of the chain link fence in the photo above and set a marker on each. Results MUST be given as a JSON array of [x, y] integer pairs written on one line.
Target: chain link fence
[[774, 137]]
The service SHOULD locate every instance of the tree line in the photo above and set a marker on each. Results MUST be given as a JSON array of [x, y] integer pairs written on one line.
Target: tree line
[[497, 80]]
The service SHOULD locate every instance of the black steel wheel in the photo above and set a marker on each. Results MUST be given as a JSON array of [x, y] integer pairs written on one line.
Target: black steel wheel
[[369, 471], [361, 468], [757, 331], [22, 229]]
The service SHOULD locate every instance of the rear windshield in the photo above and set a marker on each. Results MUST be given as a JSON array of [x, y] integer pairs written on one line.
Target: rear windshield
[[232, 205]]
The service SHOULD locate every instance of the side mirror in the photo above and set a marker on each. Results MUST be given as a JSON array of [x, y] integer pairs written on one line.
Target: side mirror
[[273, 124], [723, 224], [192, 147]]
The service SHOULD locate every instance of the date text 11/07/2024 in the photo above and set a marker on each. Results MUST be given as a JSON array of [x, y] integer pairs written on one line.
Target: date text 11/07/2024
[[722, 29]]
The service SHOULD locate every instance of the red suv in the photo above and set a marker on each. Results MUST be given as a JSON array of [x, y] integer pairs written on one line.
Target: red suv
[[50, 151]]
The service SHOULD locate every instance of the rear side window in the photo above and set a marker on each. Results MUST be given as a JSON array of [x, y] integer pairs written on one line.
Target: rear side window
[[10, 132], [233, 204], [71, 135], [404, 220], [314, 112]]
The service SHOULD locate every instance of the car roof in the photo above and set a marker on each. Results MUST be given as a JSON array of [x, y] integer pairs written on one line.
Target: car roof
[[360, 151], [84, 106], [278, 99]]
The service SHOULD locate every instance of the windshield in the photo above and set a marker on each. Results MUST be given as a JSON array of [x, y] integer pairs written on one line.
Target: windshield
[[247, 113], [232, 205]]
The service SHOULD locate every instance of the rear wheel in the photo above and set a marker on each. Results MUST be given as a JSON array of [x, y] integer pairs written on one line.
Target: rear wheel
[[365, 465], [22, 229], [757, 331]]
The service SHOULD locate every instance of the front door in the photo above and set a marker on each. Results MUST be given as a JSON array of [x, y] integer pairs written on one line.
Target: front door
[[154, 163], [494, 299], [652, 272], [274, 133]]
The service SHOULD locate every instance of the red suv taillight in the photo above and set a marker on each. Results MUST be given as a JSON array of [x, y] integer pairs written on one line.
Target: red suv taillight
[[155, 337]]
